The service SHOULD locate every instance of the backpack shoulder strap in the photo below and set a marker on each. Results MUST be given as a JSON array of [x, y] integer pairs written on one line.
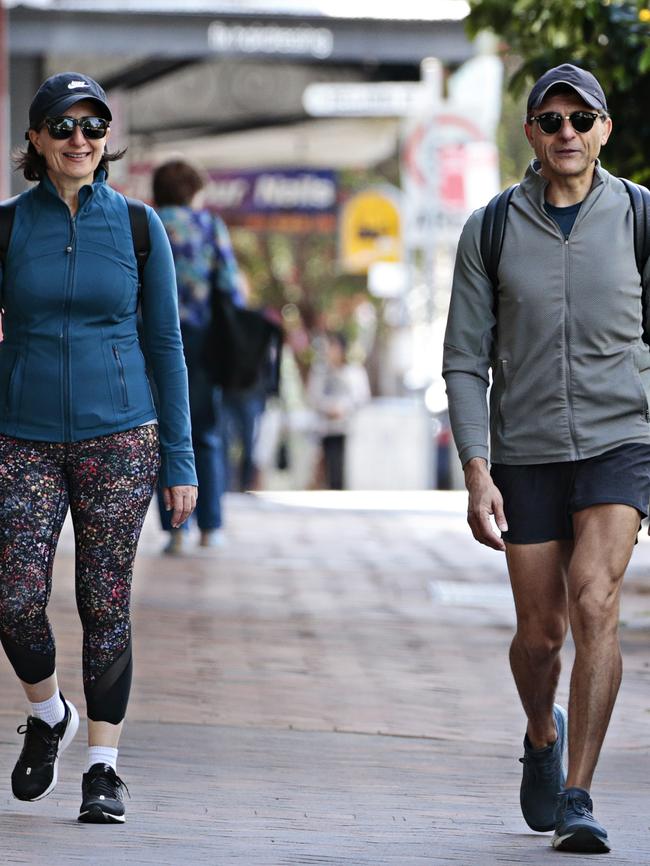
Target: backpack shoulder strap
[[7, 213], [139, 232], [640, 201], [493, 230]]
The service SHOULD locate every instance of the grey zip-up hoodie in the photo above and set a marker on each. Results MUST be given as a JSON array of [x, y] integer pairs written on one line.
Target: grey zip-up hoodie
[[563, 338]]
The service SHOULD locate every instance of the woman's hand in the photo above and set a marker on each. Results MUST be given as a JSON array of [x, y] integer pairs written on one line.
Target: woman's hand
[[180, 499]]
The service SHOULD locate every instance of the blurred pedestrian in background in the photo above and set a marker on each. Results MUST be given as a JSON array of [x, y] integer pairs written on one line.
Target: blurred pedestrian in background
[[337, 388], [244, 408], [78, 427], [204, 262], [243, 411]]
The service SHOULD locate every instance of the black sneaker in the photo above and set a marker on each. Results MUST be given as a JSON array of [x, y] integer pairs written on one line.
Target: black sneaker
[[101, 796], [544, 777], [36, 771], [577, 830]]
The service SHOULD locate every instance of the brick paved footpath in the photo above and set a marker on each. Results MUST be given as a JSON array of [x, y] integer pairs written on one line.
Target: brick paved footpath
[[331, 688]]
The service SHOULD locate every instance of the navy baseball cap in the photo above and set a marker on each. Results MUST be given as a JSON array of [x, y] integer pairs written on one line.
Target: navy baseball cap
[[584, 83], [58, 92]]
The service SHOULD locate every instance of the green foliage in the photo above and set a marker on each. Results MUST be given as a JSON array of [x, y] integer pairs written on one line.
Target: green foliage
[[611, 39], [514, 151]]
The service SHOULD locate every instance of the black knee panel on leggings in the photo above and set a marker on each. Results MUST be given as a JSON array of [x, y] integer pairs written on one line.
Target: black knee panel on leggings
[[30, 667], [107, 697]]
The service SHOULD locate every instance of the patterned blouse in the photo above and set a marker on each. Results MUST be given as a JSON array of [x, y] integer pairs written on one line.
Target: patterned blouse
[[201, 246]]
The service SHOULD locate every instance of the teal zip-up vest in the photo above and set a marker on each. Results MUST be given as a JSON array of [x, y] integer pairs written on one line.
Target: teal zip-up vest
[[71, 363]]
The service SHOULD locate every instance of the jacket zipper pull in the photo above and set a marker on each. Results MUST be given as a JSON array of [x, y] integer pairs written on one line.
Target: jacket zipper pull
[[73, 232]]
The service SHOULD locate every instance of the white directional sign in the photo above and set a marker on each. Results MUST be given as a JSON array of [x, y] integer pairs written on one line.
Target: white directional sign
[[448, 169], [381, 99]]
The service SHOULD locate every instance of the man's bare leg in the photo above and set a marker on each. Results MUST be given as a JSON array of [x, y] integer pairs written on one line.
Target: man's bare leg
[[538, 574], [604, 540]]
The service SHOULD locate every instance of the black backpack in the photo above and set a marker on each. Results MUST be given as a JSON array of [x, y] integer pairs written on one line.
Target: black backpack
[[137, 218], [493, 228]]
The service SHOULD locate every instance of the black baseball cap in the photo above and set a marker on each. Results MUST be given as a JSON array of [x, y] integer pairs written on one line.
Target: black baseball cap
[[58, 92], [584, 83]]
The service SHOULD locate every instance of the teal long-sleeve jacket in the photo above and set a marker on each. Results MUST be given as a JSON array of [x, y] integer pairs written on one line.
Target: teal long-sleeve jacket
[[71, 363]]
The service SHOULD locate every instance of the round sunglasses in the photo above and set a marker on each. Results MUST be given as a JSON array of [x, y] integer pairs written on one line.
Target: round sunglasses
[[550, 122], [61, 128]]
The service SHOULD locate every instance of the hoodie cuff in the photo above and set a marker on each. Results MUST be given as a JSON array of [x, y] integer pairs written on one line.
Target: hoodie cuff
[[177, 468]]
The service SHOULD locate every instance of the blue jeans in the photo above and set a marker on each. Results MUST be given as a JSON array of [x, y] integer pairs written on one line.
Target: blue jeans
[[243, 410], [206, 414]]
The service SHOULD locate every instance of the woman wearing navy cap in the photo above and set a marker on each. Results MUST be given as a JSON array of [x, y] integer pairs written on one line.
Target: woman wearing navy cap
[[79, 430]]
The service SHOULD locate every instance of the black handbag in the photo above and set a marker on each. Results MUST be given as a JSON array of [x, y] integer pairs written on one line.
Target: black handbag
[[242, 347]]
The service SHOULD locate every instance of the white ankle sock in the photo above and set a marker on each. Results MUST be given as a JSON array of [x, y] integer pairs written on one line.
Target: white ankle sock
[[102, 755], [51, 711]]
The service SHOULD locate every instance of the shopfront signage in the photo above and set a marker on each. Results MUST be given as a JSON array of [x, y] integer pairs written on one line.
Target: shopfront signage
[[299, 41]]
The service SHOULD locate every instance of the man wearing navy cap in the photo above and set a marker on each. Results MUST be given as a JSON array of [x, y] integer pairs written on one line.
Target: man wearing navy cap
[[562, 462]]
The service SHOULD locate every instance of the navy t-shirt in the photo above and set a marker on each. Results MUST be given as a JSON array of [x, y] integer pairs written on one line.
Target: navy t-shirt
[[563, 216]]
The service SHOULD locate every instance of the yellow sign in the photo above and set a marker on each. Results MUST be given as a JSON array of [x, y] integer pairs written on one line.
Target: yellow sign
[[370, 230]]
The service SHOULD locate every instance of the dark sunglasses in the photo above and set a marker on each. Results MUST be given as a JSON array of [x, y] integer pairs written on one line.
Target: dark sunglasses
[[61, 128], [550, 122]]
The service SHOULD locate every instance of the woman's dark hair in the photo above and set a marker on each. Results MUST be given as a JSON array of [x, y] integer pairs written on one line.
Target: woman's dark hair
[[175, 182], [34, 166]]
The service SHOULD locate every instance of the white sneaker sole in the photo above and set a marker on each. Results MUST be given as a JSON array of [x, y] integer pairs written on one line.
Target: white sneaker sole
[[95, 815], [581, 841]]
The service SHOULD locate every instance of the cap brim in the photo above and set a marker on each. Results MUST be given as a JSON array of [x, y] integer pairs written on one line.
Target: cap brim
[[68, 101], [586, 97]]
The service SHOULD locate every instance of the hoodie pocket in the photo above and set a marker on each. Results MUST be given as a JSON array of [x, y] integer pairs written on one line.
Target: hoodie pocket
[[638, 381], [122, 378], [502, 382], [10, 383]]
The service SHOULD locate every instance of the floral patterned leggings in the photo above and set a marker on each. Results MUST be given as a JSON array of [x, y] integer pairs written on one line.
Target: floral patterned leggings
[[107, 483]]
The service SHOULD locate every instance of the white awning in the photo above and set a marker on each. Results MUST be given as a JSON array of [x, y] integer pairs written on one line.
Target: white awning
[[343, 143], [404, 10]]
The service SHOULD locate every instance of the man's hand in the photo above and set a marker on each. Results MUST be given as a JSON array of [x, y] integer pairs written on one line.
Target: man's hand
[[181, 500], [484, 500]]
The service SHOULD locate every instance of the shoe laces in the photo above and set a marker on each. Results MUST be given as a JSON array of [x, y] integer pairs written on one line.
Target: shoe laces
[[108, 783], [580, 805], [41, 743]]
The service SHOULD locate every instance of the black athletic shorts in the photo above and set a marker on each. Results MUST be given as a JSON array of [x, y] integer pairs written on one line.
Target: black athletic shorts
[[539, 500]]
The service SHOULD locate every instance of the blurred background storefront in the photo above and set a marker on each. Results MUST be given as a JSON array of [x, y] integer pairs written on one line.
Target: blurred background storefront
[[344, 151]]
